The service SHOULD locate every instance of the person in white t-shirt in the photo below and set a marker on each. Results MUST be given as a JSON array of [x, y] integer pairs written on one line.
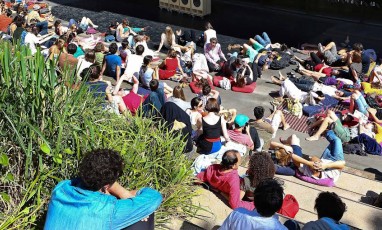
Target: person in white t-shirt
[[85, 62], [32, 40], [135, 61], [329, 165], [209, 33], [168, 40], [268, 199], [124, 31]]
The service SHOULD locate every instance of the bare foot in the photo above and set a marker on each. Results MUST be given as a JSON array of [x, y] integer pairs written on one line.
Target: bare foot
[[299, 67], [286, 126], [282, 141], [281, 77], [275, 80], [312, 138]]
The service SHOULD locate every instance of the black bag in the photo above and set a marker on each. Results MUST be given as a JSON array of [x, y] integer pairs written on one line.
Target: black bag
[[371, 101], [44, 11], [354, 149], [280, 62]]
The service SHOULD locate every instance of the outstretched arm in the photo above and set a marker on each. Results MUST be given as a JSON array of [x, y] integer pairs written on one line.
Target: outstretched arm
[[224, 129], [215, 93], [136, 84], [275, 145], [120, 192], [297, 160], [161, 43], [333, 165], [119, 83]]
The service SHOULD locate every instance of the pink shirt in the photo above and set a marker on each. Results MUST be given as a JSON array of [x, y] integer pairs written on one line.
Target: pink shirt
[[240, 138], [228, 183], [133, 101], [213, 54]]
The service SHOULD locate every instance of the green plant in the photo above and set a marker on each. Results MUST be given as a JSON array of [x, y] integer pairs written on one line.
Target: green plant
[[46, 126]]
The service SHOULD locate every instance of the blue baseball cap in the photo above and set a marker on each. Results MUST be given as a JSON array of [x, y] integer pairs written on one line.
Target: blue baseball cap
[[241, 120]]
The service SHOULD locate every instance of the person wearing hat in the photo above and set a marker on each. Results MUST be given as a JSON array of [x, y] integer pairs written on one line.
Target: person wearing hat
[[244, 134]]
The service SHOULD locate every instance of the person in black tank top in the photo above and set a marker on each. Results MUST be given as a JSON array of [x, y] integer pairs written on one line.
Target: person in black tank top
[[209, 142]]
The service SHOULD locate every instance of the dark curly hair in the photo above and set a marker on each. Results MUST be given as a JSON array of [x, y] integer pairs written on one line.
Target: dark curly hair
[[329, 204], [100, 167], [268, 197], [260, 167]]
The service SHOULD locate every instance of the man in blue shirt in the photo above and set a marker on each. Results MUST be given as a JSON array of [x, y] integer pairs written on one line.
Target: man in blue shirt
[[96, 201], [112, 63], [368, 56], [330, 209], [268, 198]]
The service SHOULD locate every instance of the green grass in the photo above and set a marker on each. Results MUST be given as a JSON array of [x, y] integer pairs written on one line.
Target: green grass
[[46, 127]]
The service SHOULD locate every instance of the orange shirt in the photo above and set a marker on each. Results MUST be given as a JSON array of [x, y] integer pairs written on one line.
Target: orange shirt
[[4, 23]]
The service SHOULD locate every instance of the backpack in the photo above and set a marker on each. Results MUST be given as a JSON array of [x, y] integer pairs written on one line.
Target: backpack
[[354, 149], [225, 83], [294, 106], [290, 206], [281, 62], [109, 38], [91, 30]]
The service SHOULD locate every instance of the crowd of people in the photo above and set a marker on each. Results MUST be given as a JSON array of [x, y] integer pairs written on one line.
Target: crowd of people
[[349, 75]]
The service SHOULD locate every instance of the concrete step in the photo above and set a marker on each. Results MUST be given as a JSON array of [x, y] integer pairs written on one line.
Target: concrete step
[[351, 188], [348, 186], [367, 215]]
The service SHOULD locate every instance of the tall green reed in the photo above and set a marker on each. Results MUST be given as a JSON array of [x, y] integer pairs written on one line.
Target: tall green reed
[[45, 128]]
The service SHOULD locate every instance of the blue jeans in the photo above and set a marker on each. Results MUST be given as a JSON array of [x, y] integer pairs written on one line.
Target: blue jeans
[[362, 105], [264, 41], [72, 22], [43, 26], [131, 41], [302, 84], [334, 151]]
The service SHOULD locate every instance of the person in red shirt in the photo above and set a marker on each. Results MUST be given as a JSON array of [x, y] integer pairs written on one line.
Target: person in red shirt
[[5, 20], [224, 177], [132, 99]]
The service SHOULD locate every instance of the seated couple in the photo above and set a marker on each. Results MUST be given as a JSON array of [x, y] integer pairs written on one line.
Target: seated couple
[[224, 177], [329, 166]]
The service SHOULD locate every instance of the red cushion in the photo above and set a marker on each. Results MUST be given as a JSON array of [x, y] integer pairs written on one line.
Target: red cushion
[[198, 90], [216, 80], [246, 89], [219, 78]]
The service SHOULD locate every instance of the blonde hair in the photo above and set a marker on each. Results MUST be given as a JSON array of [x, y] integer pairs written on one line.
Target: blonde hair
[[169, 33], [178, 93], [73, 26], [283, 158], [60, 42]]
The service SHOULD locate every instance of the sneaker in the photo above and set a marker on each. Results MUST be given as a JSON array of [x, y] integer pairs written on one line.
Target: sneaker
[[320, 48], [378, 201]]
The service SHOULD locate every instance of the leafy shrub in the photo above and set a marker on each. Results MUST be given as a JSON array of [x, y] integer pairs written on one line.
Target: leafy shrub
[[46, 126]]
